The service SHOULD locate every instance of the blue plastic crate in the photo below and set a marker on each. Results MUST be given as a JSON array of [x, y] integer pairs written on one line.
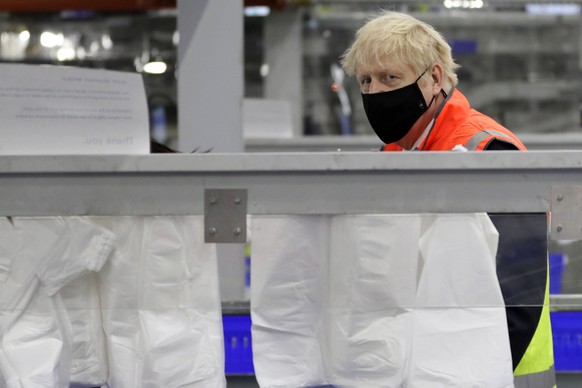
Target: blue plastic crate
[[238, 350], [567, 336], [556, 262], [566, 329]]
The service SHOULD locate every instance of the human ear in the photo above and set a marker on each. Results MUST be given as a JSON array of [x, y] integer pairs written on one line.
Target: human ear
[[437, 76]]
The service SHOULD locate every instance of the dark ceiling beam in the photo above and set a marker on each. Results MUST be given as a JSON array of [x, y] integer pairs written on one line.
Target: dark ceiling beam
[[108, 5], [94, 5]]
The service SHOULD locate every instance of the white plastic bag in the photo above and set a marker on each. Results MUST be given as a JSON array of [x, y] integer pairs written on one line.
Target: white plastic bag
[[89, 366], [35, 330], [460, 336], [373, 281], [288, 298], [378, 301], [161, 305]]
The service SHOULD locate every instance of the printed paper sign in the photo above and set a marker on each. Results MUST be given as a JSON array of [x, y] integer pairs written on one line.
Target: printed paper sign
[[65, 110]]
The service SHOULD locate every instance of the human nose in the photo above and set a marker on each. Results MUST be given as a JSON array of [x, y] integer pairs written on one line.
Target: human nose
[[376, 87]]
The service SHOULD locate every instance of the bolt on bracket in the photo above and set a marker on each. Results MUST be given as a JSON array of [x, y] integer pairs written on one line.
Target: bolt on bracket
[[566, 212], [225, 215]]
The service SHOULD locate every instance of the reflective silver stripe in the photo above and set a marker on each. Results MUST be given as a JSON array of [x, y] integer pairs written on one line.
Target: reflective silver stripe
[[477, 138], [544, 379]]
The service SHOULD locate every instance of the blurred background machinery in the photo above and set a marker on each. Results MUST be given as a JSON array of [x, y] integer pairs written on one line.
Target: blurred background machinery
[[521, 60]]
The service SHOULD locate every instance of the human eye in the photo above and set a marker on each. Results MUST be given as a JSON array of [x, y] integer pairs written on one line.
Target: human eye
[[389, 78], [364, 83]]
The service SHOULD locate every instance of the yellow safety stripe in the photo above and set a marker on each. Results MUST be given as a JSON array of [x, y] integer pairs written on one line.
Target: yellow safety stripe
[[539, 356]]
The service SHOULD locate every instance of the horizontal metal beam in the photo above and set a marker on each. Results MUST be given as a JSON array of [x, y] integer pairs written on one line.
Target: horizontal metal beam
[[364, 143], [293, 183], [566, 302], [558, 302]]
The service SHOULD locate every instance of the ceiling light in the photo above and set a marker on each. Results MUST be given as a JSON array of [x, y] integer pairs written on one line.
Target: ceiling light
[[50, 39], [260, 10], [106, 41], [24, 36], [464, 4], [156, 67], [66, 54]]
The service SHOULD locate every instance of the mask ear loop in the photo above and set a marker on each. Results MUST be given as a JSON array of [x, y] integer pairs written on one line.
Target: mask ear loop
[[446, 96], [433, 97], [420, 76]]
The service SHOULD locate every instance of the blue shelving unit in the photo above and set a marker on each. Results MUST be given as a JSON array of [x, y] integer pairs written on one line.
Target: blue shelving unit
[[566, 327], [238, 351], [567, 336]]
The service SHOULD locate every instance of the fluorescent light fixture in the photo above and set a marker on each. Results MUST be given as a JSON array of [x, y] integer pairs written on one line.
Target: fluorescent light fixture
[[106, 41], [50, 39], [259, 10], [24, 36], [66, 54], [463, 4], [156, 67]]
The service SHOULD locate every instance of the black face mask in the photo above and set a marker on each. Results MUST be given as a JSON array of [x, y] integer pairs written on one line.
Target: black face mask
[[393, 113]]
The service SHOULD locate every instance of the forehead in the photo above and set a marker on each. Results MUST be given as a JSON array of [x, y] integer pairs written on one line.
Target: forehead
[[384, 64]]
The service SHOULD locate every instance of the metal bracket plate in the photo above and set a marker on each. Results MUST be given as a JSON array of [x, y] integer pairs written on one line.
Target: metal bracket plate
[[225, 215], [566, 213]]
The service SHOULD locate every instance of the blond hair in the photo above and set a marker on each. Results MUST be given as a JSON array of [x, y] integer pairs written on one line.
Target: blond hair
[[403, 38]]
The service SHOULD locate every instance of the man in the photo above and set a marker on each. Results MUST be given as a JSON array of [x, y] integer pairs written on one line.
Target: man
[[407, 78]]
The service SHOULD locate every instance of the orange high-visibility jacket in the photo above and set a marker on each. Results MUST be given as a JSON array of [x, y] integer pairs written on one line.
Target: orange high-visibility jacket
[[458, 124]]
